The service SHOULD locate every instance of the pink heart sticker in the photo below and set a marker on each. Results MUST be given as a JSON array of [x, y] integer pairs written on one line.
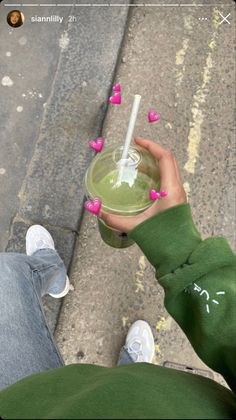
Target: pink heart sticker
[[154, 195], [115, 99], [97, 144], [163, 194], [153, 116], [93, 206], [117, 87]]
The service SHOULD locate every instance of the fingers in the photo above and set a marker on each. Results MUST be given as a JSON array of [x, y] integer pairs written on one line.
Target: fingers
[[155, 149], [165, 159], [121, 223], [111, 220], [178, 173]]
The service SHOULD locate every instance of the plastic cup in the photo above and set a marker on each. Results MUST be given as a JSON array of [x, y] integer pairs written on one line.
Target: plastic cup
[[128, 197]]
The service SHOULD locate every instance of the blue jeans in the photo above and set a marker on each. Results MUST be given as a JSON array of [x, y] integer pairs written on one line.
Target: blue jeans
[[124, 357], [26, 342], [27, 345]]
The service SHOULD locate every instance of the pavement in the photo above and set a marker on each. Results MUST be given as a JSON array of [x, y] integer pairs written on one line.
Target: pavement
[[44, 148], [184, 67]]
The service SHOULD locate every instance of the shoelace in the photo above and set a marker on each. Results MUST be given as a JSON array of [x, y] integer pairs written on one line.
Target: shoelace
[[134, 352]]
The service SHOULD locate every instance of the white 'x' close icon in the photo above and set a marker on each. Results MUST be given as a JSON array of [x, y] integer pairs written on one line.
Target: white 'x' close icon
[[224, 19]]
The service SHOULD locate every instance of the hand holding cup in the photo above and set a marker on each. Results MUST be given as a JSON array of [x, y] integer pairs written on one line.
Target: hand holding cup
[[170, 182]]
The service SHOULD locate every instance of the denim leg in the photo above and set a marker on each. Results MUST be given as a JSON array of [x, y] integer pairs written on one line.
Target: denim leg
[[49, 270], [124, 357], [26, 342]]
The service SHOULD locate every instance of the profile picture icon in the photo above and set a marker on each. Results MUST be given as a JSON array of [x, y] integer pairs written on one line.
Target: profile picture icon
[[15, 18]]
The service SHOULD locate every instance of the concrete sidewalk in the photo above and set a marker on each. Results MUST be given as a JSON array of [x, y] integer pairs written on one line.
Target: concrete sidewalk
[[184, 68]]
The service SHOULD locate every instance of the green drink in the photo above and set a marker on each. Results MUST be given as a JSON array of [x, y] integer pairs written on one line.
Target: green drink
[[125, 193]]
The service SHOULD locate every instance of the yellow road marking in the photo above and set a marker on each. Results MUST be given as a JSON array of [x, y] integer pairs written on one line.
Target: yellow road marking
[[157, 349], [124, 321], [139, 274], [142, 263], [180, 55], [187, 189], [164, 324], [194, 137]]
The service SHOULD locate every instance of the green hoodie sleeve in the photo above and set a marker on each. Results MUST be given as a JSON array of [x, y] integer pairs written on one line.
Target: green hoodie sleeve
[[199, 280]]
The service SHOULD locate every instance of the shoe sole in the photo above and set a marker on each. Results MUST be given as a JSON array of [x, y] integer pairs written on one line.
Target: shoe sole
[[66, 290]]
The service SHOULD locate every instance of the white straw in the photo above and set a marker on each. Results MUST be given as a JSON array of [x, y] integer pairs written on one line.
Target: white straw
[[129, 135]]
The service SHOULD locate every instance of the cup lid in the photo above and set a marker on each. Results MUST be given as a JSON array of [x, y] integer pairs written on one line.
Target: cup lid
[[122, 186]]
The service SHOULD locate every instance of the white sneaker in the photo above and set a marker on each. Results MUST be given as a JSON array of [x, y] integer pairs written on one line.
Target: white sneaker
[[64, 292], [140, 343], [37, 237]]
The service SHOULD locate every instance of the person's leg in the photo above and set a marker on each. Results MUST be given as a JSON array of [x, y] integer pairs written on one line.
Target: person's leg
[[26, 342], [124, 357], [139, 346]]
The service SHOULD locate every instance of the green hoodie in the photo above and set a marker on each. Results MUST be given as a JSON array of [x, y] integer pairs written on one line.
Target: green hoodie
[[198, 277]]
